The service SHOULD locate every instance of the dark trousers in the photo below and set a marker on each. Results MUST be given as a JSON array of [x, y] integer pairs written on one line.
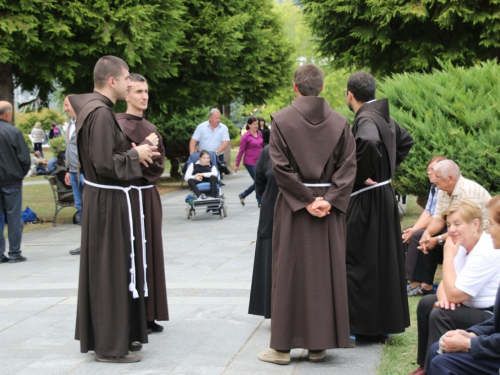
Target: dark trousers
[[38, 147], [213, 185], [432, 322], [459, 364], [421, 267], [11, 201]]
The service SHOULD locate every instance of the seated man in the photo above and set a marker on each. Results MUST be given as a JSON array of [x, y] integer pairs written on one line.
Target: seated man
[[475, 350], [453, 187], [411, 236], [38, 165], [65, 193]]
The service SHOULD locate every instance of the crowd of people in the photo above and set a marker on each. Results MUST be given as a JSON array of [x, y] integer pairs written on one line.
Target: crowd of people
[[329, 225]]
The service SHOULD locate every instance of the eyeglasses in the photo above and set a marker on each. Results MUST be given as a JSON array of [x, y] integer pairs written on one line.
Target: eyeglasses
[[488, 224], [345, 92]]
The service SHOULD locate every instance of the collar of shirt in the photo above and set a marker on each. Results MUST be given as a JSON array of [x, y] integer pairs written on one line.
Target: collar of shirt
[[458, 187]]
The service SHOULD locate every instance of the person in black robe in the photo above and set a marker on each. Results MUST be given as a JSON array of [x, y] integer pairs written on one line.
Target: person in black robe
[[141, 131], [266, 186], [110, 317], [378, 304]]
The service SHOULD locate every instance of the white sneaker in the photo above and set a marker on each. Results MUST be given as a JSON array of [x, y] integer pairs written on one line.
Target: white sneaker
[[202, 196]]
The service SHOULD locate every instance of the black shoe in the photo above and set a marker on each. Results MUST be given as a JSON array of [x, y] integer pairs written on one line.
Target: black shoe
[[135, 346], [75, 252], [222, 184], [4, 260], [154, 327], [19, 259]]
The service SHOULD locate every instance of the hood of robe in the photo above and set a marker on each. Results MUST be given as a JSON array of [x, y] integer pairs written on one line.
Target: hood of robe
[[380, 106], [311, 130]]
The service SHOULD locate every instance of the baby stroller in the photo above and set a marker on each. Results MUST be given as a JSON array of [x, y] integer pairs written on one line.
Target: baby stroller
[[216, 206]]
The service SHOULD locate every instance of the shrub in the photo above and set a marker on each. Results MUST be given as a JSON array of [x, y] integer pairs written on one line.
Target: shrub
[[57, 144], [26, 121], [453, 112]]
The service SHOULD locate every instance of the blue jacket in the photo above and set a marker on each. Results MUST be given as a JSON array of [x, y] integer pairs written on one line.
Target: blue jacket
[[487, 344]]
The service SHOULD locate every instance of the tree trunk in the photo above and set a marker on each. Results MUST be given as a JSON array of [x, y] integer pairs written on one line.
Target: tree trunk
[[227, 151], [174, 168], [7, 85]]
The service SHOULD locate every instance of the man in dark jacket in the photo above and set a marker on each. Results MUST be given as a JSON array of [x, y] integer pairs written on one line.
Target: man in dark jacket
[[14, 165]]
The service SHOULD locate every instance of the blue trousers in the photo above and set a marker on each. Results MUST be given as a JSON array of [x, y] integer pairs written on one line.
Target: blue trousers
[[77, 190], [459, 364], [11, 201], [251, 188]]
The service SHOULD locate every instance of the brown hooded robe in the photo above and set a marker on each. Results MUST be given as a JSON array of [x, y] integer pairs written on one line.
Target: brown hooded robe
[[310, 143], [137, 129], [108, 318]]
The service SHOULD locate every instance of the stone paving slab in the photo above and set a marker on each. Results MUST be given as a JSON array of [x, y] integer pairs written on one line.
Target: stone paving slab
[[208, 265]]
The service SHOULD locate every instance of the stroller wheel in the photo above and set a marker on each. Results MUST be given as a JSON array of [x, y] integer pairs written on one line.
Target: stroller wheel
[[224, 210], [193, 214]]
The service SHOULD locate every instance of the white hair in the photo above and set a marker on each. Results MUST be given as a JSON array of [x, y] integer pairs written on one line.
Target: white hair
[[448, 168], [212, 111]]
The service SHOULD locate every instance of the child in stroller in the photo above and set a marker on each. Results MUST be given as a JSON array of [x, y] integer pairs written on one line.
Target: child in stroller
[[202, 176], [202, 171]]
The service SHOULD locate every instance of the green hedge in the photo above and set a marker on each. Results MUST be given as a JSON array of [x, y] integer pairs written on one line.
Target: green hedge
[[26, 121], [453, 112]]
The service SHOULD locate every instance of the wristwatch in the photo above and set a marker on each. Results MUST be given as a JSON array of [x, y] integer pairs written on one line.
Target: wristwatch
[[440, 240], [468, 347]]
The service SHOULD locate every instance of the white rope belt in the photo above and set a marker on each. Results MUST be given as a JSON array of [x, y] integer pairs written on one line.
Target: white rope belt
[[371, 187], [318, 185], [132, 286], [143, 233]]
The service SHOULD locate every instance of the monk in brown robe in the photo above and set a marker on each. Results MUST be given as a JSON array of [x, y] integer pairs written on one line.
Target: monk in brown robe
[[139, 131], [109, 316], [314, 162]]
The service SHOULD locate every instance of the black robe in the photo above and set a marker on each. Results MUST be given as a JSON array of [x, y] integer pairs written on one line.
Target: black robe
[[137, 129], [378, 303], [266, 186], [310, 143], [108, 317]]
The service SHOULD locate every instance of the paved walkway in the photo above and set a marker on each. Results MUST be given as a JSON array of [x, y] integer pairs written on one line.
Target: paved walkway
[[208, 265]]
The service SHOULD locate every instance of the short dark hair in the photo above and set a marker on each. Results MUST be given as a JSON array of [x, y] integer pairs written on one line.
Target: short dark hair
[[106, 67], [204, 152], [363, 86], [61, 158], [134, 77], [250, 120], [309, 79]]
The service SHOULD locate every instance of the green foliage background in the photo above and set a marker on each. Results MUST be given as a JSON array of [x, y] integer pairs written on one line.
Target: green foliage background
[[26, 121], [452, 112]]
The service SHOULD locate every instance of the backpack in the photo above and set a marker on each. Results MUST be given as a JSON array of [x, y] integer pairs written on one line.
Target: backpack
[[29, 216]]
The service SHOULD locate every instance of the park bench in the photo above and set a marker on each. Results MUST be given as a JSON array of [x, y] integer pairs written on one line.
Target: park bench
[[59, 203]]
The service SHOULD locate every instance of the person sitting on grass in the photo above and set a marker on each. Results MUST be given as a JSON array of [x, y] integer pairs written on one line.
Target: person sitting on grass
[[202, 171], [471, 277], [38, 165], [477, 349]]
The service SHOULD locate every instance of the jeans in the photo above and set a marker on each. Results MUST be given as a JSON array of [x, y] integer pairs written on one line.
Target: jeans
[[11, 201], [77, 190], [251, 188]]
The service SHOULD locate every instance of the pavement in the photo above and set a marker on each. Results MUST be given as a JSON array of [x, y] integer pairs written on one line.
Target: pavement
[[208, 265]]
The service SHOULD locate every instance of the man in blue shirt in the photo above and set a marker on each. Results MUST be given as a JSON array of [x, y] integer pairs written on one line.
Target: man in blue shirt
[[212, 135]]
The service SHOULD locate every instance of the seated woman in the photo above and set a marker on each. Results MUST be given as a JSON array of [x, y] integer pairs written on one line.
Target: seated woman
[[471, 276], [65, 192], [202, 171], [477, 349]]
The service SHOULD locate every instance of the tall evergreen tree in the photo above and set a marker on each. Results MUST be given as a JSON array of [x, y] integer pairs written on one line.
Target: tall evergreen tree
[[59, 41], [393, 36]]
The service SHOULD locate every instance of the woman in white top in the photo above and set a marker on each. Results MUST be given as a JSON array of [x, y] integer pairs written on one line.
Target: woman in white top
[[471, 277], [38, 136], [202, 171]]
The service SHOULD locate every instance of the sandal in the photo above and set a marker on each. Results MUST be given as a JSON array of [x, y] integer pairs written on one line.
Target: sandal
[[420, 292]]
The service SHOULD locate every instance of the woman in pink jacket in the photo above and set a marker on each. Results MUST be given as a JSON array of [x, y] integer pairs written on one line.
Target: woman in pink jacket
[[251, 146]]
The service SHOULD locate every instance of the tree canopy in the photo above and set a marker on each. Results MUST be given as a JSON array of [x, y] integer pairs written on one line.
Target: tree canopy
[[394, 36], [59, 41]]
